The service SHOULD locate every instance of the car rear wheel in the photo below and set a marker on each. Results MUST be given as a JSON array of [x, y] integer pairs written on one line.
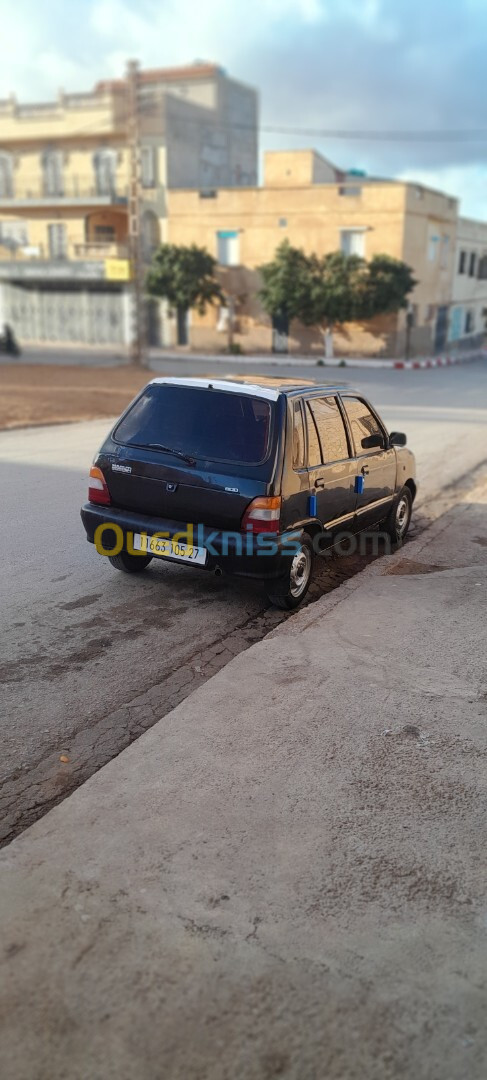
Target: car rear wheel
[[289, 591], [130, 564], [399, 519]]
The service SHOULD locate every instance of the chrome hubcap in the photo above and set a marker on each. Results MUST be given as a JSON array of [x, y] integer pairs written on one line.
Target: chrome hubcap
[[402, 514], [300, 571]]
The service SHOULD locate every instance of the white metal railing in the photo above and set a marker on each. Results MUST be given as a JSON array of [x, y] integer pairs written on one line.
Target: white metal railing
[[70, 188], [96, 250], [87, 250]]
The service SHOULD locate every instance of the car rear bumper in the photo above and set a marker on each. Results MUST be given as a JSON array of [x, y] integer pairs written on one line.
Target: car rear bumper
[[233, 553]]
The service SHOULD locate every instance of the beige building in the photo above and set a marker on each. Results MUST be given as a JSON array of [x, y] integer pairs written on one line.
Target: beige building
[[64, 176], [468, 316], [308, 201]]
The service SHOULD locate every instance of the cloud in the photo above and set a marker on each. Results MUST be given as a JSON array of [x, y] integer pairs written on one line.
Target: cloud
[[350, 64]]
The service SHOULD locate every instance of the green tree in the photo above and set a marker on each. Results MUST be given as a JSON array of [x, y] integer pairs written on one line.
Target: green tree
[[287, 284], [185, 276], [333, 289], [339, 290], [389, 283]]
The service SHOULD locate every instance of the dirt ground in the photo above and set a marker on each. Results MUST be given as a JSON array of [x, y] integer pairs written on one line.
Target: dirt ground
[[49, 393]]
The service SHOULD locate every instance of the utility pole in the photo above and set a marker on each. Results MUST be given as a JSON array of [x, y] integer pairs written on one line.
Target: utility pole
[[138, 333]]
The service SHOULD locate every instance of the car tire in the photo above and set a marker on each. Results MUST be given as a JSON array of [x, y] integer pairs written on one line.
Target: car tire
[[399, 520], [129, 564], [289, 591]]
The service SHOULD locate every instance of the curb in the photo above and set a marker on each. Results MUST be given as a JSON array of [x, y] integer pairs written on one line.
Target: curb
[[408, 365], [439, 361]]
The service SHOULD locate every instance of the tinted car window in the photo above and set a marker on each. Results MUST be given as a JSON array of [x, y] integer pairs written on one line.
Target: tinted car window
[[209, 424], [362, 422], [331, 429], [314, 448], [298, 437]]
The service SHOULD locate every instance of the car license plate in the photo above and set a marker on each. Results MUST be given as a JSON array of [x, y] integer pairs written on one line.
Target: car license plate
[[170, 549]]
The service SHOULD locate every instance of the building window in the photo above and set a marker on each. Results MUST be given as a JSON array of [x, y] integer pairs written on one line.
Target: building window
[[6, 176], [13, 234], [469, 321], [149, 234], [445, 249], [282, 222], [52, 173], [58, 247], [148, 166], [472, 264], [105, 234], [352, 242], [462, 262], [228, 248], [351, 190], [105, 169], [482, 268], [433, 247]]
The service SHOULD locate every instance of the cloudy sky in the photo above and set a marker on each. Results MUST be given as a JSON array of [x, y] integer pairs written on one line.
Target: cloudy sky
[[373, 65]]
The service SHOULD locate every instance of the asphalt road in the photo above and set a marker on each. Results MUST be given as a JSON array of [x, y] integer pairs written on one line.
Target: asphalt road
[[91, 658]]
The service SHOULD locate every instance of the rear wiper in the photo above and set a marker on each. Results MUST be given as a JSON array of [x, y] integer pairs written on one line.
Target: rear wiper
[[169, 450]]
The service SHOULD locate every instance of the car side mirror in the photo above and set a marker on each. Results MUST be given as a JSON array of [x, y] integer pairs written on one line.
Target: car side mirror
[[397, 438], [372, 440]]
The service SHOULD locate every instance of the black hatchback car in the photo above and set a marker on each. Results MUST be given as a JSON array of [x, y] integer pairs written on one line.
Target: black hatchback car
[[246, 478]]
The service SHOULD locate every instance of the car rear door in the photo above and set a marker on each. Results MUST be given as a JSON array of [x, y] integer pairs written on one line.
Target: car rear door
[[295, 481], [376, 465], [330, 464]]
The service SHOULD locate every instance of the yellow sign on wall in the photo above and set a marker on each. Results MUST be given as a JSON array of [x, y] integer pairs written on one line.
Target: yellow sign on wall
[[117, 269]]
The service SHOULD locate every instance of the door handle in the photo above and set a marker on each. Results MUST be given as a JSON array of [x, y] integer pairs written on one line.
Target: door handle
[[365, 470], [319, 482]]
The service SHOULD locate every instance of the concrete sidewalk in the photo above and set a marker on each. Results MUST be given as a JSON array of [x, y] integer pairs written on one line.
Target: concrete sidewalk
[[285, 877]]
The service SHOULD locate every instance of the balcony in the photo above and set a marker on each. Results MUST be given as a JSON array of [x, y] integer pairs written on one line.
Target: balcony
[[87, 250], [75, 191], [80, 262], [94, 250]]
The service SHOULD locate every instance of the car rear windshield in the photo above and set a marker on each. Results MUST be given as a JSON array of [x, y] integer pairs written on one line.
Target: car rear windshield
[[211, 424]]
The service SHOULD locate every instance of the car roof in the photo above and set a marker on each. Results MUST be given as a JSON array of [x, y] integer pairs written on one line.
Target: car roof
[[257, 386]]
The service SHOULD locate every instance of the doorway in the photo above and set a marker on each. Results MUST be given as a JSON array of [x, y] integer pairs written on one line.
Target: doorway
[[441, 328], [280, 333], [182, 323]]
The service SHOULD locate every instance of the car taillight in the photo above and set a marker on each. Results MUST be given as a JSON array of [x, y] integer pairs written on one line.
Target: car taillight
[[97, 489], [262, 515]]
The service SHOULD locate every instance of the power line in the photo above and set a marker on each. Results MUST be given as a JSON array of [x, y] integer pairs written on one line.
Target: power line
[[436, 135], [459, 135]]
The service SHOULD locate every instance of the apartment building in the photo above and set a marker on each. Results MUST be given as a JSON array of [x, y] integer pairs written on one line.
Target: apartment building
[[307, 200], [64, 176], [468, 317]]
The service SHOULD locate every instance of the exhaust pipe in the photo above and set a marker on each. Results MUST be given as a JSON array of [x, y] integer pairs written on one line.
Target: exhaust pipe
[[218, 571]]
